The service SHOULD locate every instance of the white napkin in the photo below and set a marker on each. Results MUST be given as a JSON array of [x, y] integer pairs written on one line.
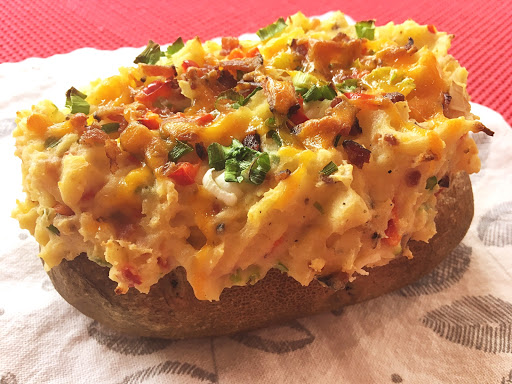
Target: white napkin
[[453, 326]]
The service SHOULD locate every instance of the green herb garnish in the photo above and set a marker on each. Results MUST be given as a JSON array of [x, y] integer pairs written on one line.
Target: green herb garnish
[[245, 100], [51, 142], [259, 169], [232, 171], [272, 29], [337, 140], [431, 183], [329, 169], [236, 277], [281, 267], [319, 207], [180, 149], [110, 127], [366, 29], [53, 229], [175, 47], [150, 55], [75, 100], [319, 93], [275, 136], [348, 85]]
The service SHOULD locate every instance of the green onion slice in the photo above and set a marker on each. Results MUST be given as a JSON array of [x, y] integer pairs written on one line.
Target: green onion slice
[[175, 47], [319, 93], [319, 207], [348, 85], [259, 169], [275, 136], [53, 229], [232, 171], [180, 149], [110, 127], [281, 267], [366, 29], [51, 142], [329, 169], [337, 140], [216, 156], [272, 29], [75, 100], [431, 183], [150, 55], [244, 101]]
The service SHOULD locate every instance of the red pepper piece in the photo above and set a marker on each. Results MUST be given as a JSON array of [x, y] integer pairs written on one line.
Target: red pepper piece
[[132, 278], [155, 90], [185, 173], [205, 119], [188, 63]]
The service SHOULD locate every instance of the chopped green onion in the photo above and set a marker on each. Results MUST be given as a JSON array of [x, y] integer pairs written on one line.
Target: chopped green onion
[[319, 93], [275, 136], [272, 29], [366, 29], [180, 149], [175, 47], [244, 101], [236, 277], [302, 81], [232, 171], [337, 140], [431, 183], [230, 94], [51, 142], [53, 229], [216, 156], [281, 267], [329, 169], [259, 169], [348, 85], [75, 100], [319, 207], [271, 122], [110, 127], [150, 55]]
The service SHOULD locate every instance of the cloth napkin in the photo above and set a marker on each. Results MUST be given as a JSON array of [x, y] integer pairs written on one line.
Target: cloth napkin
[[452, 326]]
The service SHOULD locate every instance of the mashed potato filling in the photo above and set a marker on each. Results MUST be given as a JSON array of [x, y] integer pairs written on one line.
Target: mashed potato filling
[[319, 150]]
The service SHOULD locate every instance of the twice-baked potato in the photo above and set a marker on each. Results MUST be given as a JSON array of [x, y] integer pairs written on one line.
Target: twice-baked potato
[[266, 178]]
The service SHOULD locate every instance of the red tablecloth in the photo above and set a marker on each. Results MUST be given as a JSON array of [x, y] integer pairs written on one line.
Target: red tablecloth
[[46, 27]]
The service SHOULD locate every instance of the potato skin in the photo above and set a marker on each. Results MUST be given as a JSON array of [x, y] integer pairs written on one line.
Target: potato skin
[[171, 310]]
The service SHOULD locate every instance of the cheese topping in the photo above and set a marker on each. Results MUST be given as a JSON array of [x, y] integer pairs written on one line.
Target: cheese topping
[[319, 150]]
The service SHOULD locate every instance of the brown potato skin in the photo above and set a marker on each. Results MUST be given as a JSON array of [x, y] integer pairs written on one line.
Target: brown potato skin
[[171, 310]]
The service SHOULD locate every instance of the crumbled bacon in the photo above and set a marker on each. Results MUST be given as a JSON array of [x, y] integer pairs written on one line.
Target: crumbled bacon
[[412, 177], [356, 153], [246, 64], [94, 136], [201, 151], [78, 122], [444, 181], [410, 43], [355, 129], [390, 139], [131, 277], [252, 141], [226, 79], [395, 97], [300, 49]]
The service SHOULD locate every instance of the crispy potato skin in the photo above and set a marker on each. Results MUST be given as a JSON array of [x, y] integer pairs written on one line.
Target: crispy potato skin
[[172, 311]]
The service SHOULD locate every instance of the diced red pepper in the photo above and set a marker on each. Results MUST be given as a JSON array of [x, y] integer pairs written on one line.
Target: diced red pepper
[[188, 63], [393, 237], [132, 278], [299, 117], [431, 28], [359, 96], [155, 90], [205, 119], [185, 173]]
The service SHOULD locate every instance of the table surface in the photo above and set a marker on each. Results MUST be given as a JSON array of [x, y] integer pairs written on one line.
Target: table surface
[[40, 29]]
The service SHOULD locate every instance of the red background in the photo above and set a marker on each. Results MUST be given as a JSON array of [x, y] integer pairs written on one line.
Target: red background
[[42, 28]]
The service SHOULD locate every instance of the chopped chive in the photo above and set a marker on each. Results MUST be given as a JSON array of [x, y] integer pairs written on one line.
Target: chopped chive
[[75, 100], [216, 156], [232, 171], [245, 100], [348, 85], [329, 169], [431, 183], [281, 267], [110, 127], [180, 149], [51, 142], [53, 229], [259, 169], [272, 29], [337, 140], [150, 55], [175, 47], [236, 277], [275, 136], [366, 29], [319, 207], [271, 122], [319, 93]]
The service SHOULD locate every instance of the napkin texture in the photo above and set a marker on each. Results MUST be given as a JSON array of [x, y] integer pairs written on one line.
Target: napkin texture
[[452, 326]]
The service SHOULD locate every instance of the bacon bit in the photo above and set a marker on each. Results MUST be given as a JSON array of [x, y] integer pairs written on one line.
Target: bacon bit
[[188, 63], [390, 139], [228, 44], [356, 153], [201, 151], [132, 278], [395, 97], [63, 209], [252, 141], [78, 121], [355, 129], [300, 49], [112, 150], [393, 237], [431, 28], [94, 136], [299, 117], [226, 79], [244, 64], [150, 123], [336, 101], [184, 174], [412, 177], [166, 71], [444, 182], [410, 43], [253, 52], [482, 128], [282, 175], [205, 119]]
